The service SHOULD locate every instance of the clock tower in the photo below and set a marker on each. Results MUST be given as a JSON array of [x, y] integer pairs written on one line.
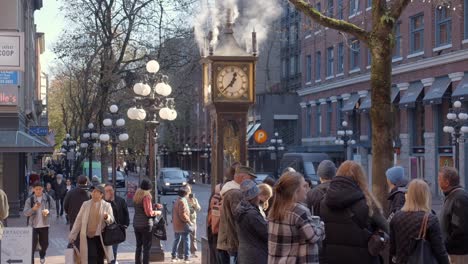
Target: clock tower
[[229, 91]]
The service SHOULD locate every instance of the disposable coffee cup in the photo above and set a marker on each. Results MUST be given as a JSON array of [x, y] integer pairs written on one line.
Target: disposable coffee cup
[[45, 212]]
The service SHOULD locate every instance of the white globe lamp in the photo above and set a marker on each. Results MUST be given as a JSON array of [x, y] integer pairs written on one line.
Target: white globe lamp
[[152, 66], [113, 109]]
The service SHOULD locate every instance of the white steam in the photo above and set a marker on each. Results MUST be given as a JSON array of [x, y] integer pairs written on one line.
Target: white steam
[[246, 14]]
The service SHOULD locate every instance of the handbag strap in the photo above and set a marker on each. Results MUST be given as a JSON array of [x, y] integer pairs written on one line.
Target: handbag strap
[[422, 231]]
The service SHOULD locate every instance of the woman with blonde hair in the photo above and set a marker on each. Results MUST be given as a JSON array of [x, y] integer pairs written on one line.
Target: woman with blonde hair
[[266, 192], [351, 214], [293, 234], [406, 224], [143, 221]]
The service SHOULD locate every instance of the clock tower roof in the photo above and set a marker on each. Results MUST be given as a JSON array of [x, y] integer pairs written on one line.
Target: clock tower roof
[[228, 45]]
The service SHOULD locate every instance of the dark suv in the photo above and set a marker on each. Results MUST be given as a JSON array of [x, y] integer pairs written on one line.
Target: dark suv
[[171, 180]]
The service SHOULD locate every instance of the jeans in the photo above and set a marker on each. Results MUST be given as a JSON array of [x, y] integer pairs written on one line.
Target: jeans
[[233, 258], [114, 250], [222, 257], [59, 206], [40, 235], [95, 251], [186, 240], [143, 242], [193, 244]]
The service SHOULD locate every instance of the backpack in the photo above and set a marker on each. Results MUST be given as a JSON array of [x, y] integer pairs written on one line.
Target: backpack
[[31, 202], [216, 206]]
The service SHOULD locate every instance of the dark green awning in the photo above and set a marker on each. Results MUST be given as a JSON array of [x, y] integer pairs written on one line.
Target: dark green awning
[[350, 104], [411, 95], [461, 92], [435, 94]]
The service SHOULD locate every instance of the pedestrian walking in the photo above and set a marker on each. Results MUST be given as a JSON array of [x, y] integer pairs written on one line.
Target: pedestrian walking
[[48, 190], [143, 221], [397, 184], [265, 194], [194, 207], [75, 198], [95, 181], [38, 208], [454, 215], [326, 170], [293, 235], [60, 189], [231, 196], [251, 226], [406, 224], [92, 218], [351, 214], [120, 211], [182, 225]]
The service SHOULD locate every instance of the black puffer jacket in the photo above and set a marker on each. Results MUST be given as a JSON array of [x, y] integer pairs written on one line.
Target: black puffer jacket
[[73, 201], [346, 241], [396, 197], [454, 221], [252, 232]]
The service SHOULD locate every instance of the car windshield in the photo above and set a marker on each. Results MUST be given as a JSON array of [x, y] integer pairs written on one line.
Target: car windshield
[[309, 168], [173, 175]]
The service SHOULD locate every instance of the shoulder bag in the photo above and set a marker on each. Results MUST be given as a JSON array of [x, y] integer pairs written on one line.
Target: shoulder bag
[[422, 253], [159, 229], [114, 234], [377, 239]]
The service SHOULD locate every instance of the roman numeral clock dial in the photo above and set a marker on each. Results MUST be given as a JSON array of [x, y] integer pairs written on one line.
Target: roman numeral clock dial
[[232, 82]]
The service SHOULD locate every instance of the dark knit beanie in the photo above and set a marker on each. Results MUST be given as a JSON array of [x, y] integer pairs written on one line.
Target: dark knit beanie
[[146, 185]]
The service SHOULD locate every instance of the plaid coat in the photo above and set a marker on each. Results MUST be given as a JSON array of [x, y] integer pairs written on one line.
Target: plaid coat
[[295, 239]]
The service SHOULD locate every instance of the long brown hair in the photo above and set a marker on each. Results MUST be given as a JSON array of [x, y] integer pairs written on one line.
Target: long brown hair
[[285, 190], [140, 194], [418, 197], [354, 171]]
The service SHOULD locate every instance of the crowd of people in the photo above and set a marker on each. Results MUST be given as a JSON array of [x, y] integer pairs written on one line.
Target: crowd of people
[[338, 221]]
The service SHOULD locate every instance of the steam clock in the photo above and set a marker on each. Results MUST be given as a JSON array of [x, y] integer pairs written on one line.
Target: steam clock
[[229, 91]]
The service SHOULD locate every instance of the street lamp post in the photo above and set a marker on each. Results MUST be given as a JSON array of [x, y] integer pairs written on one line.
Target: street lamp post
[[152, 97], [90, 142], [345, 137], [276, 146], [114, 132], [164, 152], [208, 161], [187, 153], [68, 148], [456, 125]]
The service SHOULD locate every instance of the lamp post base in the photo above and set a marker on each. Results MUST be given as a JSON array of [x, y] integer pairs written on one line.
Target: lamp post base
[[156, 252]]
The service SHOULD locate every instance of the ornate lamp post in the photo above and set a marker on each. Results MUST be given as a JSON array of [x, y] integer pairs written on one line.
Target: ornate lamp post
[[187, 152], [208, 161], [151, 98], [114, 132], [456, 124], [275, 147], [68, 149], [89, 143], [164, 152], [344, 137]]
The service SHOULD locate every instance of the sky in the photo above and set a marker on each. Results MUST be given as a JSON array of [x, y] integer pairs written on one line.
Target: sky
[[49, 21]]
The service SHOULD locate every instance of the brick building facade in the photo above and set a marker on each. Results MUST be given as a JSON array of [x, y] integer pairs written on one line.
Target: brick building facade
[[430, 72]]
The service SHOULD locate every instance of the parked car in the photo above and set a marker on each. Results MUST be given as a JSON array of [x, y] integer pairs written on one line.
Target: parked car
[[190, 177], [119, 180], [305, 163], [171, 180], [261, 176]]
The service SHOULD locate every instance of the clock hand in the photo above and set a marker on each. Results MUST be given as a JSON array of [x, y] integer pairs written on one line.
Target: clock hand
[[234, 78]]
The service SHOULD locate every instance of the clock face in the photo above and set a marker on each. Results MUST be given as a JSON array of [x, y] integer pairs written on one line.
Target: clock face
[[232, 81]]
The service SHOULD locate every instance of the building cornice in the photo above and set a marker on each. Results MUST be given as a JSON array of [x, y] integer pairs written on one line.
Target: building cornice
[[402, 86], [303, 104], [333, 99], [456, 76], [404, 68], [312, 102], [345, 96], [323, 101], [363, 93], [427, 81]]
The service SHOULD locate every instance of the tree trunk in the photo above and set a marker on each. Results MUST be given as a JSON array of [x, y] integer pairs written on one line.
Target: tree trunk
[[381, 79]]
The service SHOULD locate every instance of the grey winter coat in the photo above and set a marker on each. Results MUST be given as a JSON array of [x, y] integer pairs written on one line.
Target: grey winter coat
[[34, 215], [252, 232]]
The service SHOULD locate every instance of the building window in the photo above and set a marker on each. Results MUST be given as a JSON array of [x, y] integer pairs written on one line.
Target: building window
[[329, 117], [466, 18], [354, 55], [369, 57], [318, 58], [292, 66], [298, 66], [318, 6], [284, 66], [397, 47], [330, 61], [443, 26], [309, 68], [292, 34], [369, 3], [339, 105], [308, 120], [417, 33], [339, 13], [318, 121], [353, 7], [308, 26], [340, 65], [330, 8]]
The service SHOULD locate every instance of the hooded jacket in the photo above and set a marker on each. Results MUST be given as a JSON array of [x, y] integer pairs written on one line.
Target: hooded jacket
[[345, 240], [227, 236], [252, 232]]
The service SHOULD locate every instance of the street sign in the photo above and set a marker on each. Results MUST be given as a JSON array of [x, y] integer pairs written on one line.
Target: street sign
[[260, 136], [8, 95], [39, 130], [18, 249], [11, 51], [8, 78]]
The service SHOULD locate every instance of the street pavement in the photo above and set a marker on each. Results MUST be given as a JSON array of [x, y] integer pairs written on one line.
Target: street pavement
[[59, 230]]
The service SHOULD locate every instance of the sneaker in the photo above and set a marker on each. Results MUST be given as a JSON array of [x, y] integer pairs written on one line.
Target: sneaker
[[187, 260], [42, 260], [174, 259]]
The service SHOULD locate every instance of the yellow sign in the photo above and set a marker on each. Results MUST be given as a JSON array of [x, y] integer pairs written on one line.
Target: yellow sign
[[260, 136]]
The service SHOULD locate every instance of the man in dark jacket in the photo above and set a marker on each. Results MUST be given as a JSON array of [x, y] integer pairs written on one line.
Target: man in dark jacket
[[50, 191], [75, 198], [454, 215], [326, 171], [397, 182], [60, 189], [120, 210]]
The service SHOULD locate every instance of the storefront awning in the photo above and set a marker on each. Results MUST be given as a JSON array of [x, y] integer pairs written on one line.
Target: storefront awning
[[350, 104], [411, 95], [435, 94], [461, 92], [252, 131], [20, 142], [366, 103]]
